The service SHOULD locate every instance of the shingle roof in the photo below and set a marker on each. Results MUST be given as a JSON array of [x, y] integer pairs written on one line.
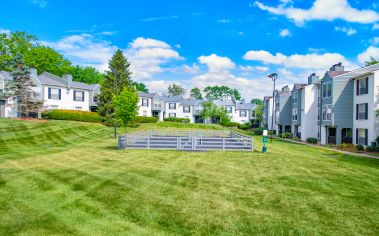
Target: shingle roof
[[146, 95], [190, 102], [224, 102], [361, 71], [50, 79], [245, 106], [332, 74], [299, 86]]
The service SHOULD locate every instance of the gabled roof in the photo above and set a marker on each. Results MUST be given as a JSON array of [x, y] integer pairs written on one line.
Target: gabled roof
[[299, 86], [146, 95], [332, 74], [224, 102], [50, 79], [362, 71], [245, 106]]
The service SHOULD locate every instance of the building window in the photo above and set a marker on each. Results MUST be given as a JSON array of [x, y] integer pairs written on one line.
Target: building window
[[54, 94], [243, 113], [1, 87], [294, 114], [362, 86], [172, 114], [252, 113], [172, 106], [361, 136], [95, 98], [361, 111], [78, 96], [326, 90], [326, 112], [144, 113], [229, 109], [186, 109], [145, 102]]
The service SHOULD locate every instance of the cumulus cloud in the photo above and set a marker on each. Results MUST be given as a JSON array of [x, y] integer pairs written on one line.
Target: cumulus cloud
[[254, 68], [216, 64], [148, 56], [346, 30], [284, 33], [85, 49], [323, 10], [305, 61], [39, 3], [5, 31], [375, 26], [368, 53]]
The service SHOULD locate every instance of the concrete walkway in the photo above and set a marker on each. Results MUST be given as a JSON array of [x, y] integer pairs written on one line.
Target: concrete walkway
[[331, 149]]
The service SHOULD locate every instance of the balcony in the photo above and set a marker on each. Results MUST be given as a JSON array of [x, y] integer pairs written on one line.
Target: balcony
[[157, 106]]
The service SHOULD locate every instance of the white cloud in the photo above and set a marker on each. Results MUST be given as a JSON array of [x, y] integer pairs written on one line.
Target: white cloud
[[5, 31], [348, 31], [375, 40], [148, 56], [39, 3], [224, 21], [305, 61], [375, 26], [216, 64], [254, 68], [369, 52], [284, 33], [160, 18], [323, 10], [85, 49]]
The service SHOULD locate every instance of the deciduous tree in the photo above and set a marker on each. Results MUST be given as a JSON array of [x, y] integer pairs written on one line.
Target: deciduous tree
[[125, 105], [221, 92], [140, 87], [371, 62], [87, 74], [176, 90], [196, 93]]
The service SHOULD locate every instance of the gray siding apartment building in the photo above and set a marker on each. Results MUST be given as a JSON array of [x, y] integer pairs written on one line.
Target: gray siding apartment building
[[336, 106], [283, 110], [296, 109]]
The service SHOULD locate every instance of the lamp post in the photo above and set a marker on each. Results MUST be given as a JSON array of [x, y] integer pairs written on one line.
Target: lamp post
[[273, 77], [115, 82]]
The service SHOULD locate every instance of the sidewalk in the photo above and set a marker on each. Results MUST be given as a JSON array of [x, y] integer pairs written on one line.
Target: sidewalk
[[331, 149]]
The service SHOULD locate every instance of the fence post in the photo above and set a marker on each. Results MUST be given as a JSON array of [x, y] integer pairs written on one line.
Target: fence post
[[223, 144], [148, 142], [178, 143]]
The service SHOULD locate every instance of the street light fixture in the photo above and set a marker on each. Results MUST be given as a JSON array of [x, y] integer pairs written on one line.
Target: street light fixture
[[273, 77]]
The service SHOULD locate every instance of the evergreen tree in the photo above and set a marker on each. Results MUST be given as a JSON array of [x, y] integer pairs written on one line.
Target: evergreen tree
[[20, 89], [115, 80]]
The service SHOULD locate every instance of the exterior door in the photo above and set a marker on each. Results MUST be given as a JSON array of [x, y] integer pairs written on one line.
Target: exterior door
[[332, 135], [2, 108]]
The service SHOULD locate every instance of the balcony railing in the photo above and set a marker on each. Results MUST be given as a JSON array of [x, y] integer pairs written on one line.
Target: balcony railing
[[331, 139]]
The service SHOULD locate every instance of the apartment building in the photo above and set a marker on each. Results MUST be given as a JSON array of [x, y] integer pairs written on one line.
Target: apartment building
[[283, 110], [267, 113], [366, 103], [296, 99], [310, 96], [336, 121]]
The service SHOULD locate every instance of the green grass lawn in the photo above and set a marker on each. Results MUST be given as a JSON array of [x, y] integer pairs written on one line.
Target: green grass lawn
[[66, 178]]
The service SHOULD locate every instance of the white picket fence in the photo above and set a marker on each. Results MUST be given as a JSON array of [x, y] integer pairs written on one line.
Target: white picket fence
[[192, 140]]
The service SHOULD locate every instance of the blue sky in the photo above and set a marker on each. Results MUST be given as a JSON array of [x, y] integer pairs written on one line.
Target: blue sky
[[200, 43]]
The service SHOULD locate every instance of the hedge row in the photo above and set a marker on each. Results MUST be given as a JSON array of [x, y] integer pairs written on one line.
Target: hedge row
[[179, 120], [85, 116], [146, 119]]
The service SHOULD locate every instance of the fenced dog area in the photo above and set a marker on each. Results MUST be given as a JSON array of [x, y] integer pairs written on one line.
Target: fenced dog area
[[186, 140]]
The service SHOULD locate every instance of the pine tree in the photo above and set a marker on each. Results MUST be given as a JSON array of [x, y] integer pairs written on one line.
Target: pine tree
[[20, 89], [116, 79]]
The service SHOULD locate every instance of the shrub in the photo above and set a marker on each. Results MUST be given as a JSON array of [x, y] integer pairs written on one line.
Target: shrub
[[370, 149], [230, 124], [146, 119], [345, 146], [272, 132], [133, 124], [377, 139], [85, 116], [312, 140], [259, 131], [286, 135], [245, 126], [377, 148], [179, 120], [360, 147]]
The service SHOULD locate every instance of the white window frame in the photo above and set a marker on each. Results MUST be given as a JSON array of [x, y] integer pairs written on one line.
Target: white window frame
[[325, 113], [76, 98], [326, 90], [170, 107], [186, 109], [171, 114], [244, 112], [362, 140], [145, 102], [294, 114], [54, 96], [229, 109], [359, 87]]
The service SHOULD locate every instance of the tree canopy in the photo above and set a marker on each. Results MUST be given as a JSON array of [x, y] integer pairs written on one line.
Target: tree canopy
[[221, 92], [125, 105], [196, 93], [214, 113], [176, 90], [140, 87], [87, 74], [372, 61]]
